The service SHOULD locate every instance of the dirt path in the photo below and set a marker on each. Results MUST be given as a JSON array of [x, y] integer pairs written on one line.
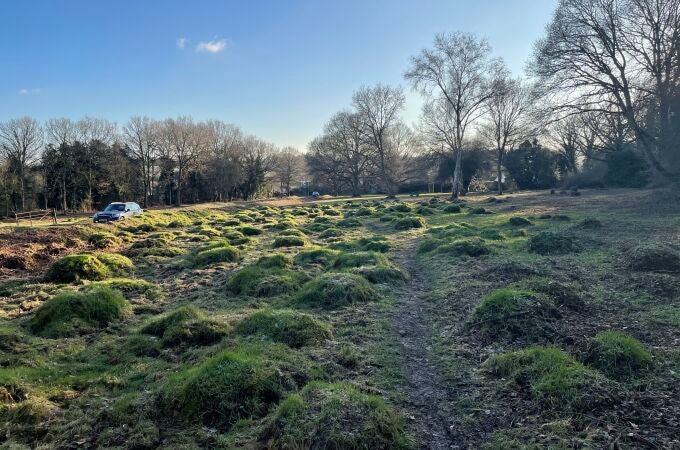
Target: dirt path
[[426, 393]]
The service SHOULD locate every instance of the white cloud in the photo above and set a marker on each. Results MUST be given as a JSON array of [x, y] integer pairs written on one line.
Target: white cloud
[[33, 91], [181, 42], [214, 46]]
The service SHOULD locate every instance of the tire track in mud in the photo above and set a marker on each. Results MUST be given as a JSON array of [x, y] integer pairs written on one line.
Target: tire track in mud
[[427, 396]]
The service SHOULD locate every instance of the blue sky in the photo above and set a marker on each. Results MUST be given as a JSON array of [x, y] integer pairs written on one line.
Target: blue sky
[[278, 69]]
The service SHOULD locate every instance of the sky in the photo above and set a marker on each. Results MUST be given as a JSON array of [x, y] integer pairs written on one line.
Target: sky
[[278, 69]]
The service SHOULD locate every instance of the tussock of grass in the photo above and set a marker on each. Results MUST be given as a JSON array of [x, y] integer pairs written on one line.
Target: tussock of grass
[[265, 282], [336, 416], [71, 312], [590, 223], [653, 258], [101, 240], [618, 354], [552, 243], [468, 247], [380, 274], [289, 327], [276, 260], [219, 251], [407, 223], [492, 235], [518, 221], [289, 241], [330, 233], [245, 382], [88, 266], [235, 237], [186, 325], [319, 256], [334, 290], [553, 377], [478, 210], [249, 230], [513, 313], [32, 411], [349, 223], [357, 259], [452, 209]]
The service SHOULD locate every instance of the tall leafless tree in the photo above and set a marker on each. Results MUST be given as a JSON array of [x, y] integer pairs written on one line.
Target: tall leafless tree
[[141, 135], [289, 166], [20, 141], [181, 140], [456, 70], [379, 108]]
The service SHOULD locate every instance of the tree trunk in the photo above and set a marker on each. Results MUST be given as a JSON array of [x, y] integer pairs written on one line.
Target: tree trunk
[[499, 172], [457, 176]]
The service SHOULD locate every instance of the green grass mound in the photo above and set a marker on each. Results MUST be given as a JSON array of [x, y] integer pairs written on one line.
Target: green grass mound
[[217, 252], [289, 327], [241, 383], [166, 252], [70, 313], [553, 377], [274, 261], [289, 241], [515, 314], [465, 247], [265, 282], [478, 210], [330, 233], [399, 207], [552, 243], [101, 240], [334, 290], [324, 257], [561, 294], [186, 325], [452, 209], [235, 237], [492, 235], [130, 286], [349, 223], [590, 224], [151, 242], [249, 230], [518, 221], [357, 259], [653, 258], [407, 223], [88, 266], [336, 416], [380, 274], [618, 354]]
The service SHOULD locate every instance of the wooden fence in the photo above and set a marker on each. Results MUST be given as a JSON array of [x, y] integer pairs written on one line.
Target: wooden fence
[[37, 215]]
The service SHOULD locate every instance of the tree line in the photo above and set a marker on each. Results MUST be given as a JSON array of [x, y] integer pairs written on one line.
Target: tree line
[[79, 165], [598, 107]]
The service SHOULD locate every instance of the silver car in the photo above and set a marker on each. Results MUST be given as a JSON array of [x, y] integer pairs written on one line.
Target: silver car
[[117, 211]]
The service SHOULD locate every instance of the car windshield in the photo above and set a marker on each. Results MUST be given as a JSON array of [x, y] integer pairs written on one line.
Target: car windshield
[[115, 207]]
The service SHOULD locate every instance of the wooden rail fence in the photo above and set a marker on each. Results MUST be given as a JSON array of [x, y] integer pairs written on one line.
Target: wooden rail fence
[[37, 215]]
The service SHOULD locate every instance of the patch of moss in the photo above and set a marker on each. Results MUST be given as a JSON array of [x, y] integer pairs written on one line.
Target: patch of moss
[[618, 355], [186, 325], [334, 290], [552, 243], [290, 327], [71, 312], [552, 377], [336, 416]]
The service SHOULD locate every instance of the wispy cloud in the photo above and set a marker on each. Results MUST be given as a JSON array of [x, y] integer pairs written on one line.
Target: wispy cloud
[[33, 91], [214, 46], [181, 43]]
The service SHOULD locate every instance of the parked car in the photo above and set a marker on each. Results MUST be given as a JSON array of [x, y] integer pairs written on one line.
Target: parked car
[[315, 194], [117, 211]]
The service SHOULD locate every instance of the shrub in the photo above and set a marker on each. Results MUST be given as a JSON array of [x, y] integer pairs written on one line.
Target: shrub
[[380, 274], [324, 257], [276, 260], [513, 313], [653, 258], [242, 383], [518, 221], [406, 223], [71, 312], [262, 282], [221, 252], [552, 243], [289, 241], [73, 268], [469, 247], [336, 416], [101, 240], [626, 168], [185, 325], [333, 290], [618, 354], [292, 328], [349, 260], [553, 377]]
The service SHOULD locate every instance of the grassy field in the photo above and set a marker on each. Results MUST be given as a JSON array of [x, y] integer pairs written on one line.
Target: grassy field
[[524, 321]]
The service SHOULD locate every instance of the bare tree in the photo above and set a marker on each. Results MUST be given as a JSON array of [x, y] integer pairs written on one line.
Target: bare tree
[[617, 57], [140, 134], [508, 119], [257, 162], [379, 107], [351, 155], [456, 70], [289, 165], [61, 131], [96, 129], [21, 141], [224, 158], [181, 141]]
